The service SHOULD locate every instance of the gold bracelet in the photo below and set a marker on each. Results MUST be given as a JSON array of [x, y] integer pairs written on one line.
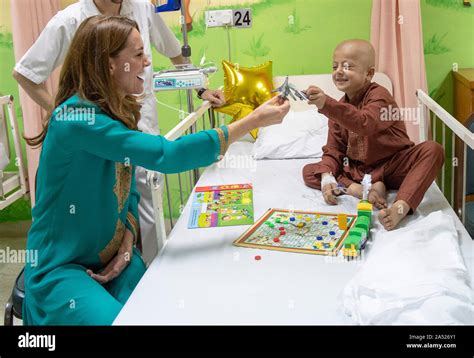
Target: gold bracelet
[[134, 226], [222, 141]]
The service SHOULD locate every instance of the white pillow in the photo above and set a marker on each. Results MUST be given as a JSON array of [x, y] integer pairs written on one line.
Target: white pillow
[[301, 135]]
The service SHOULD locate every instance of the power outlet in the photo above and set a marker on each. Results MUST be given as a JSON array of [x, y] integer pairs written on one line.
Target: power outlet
[[219, 18]]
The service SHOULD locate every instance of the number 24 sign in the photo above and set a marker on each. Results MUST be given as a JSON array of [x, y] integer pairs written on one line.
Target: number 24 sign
[[242, 17]]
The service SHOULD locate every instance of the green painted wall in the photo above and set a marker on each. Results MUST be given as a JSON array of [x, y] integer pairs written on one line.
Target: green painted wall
[[302, 48], [448, 32]]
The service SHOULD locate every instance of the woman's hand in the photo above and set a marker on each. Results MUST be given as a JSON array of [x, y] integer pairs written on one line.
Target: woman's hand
[[115, 267], [216, 97], [271, 112]]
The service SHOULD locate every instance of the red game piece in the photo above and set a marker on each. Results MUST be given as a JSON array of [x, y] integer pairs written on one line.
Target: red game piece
[[281, 228], [276, 239], [282, 232], [258, 257]]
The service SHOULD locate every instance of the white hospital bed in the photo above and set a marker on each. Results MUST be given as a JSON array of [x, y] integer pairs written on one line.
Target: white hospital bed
[[200, 277]]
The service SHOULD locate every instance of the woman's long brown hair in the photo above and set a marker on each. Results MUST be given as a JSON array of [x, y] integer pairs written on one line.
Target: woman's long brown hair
[[85, 71]]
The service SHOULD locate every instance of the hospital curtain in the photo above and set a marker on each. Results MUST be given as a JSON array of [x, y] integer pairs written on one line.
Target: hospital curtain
[[396, 34], [29, 17]]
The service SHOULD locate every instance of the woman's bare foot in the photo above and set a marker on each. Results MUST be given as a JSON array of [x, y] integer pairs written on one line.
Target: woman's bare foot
[[355, 190], [392, 216], [377, 195]]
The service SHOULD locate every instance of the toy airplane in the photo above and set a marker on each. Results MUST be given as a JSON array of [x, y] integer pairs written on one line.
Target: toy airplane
[[287, 89]]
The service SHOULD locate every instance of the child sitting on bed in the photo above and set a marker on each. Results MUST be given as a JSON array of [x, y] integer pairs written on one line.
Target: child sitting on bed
[[362, 140]]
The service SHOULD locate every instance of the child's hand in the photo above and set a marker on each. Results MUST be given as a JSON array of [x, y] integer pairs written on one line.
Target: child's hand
[[316, 96], [330, 191]]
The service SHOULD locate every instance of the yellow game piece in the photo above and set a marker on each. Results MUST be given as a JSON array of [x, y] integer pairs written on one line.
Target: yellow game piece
[[299, 217], [364, 206], [318, 215], [308, 219], [342, 219], [300, 225]]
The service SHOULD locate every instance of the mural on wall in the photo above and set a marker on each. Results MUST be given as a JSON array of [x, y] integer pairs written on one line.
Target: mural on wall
[[435, 46]]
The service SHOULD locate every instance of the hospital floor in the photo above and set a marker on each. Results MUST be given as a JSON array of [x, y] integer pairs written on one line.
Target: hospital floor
[[14, 237]]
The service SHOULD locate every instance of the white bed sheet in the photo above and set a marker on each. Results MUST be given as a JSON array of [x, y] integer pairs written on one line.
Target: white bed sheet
[[201, 278]]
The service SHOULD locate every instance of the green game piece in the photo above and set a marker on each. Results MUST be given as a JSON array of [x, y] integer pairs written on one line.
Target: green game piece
[[285, 222], [352, 239], [271, 225], [363, 222], [361, 234], [278, 220], [365, 213]]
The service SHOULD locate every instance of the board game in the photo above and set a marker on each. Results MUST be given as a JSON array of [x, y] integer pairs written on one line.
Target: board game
[[298, 231], [222, 205]]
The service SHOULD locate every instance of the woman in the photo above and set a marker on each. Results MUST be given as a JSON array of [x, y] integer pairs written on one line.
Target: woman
[[85, 220]]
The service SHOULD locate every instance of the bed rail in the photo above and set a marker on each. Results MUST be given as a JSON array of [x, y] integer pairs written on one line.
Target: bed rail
[[13, 185], [162, 185], [433, 114]]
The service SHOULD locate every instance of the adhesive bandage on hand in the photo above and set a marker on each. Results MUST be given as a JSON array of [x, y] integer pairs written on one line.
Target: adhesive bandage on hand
[[328, 179]]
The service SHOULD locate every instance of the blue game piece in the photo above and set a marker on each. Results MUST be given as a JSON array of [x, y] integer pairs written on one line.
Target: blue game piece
[[319, 238], [332, 233], [325, 222], [292, 219]]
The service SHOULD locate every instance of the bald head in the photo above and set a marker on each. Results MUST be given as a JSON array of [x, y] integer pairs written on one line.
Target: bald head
[[359, 50], [353, 66]]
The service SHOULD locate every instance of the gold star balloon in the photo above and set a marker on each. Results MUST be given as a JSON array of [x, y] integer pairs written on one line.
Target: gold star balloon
[[246, 88], [248, 85], [238, 111]]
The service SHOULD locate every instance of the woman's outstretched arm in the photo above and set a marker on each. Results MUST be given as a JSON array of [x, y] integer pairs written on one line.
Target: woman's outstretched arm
[[110, 139]]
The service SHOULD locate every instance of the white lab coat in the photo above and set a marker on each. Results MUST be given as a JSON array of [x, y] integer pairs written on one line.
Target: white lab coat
[[49, 51]]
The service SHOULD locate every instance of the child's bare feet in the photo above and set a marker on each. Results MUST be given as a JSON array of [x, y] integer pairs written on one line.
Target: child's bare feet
[[377, 195], [392, 216], [355, 190]]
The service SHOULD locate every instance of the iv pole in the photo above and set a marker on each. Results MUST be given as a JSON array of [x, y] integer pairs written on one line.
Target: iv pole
[[186, 53]]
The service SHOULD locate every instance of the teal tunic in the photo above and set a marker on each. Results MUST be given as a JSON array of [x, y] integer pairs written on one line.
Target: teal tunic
[[86, 198]]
